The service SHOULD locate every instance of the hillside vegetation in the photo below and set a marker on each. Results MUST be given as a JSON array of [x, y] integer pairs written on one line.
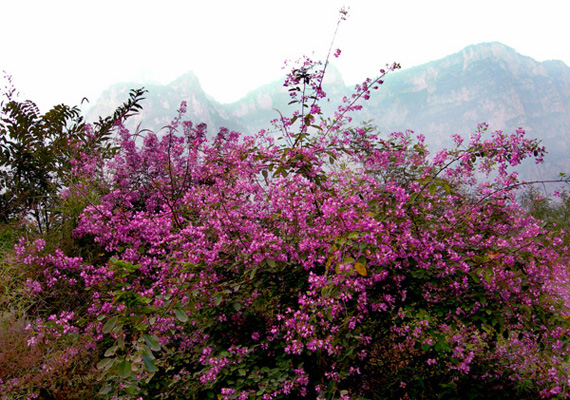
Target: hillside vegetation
[[329, 263]]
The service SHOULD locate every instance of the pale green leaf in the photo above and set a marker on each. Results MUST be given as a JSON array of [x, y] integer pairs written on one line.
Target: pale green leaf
[[181, 315], [149, 363], [109, 325], [124, 369]]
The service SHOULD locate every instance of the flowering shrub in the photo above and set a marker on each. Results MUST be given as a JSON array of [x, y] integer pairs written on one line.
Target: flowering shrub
[[329, 263]]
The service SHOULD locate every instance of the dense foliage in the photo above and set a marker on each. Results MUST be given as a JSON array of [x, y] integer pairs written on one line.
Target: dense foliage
[[37, 153], [554, 211], [331, 263]]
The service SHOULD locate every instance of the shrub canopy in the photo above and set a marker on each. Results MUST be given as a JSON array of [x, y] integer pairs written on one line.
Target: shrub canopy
[[331, 262]]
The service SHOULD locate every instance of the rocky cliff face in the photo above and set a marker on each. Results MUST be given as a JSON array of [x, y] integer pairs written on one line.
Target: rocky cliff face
[[487, 82], [482, 83], [248, 115], [162, 102]]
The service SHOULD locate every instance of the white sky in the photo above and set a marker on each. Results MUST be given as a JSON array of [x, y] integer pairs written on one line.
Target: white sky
[[59, 51]]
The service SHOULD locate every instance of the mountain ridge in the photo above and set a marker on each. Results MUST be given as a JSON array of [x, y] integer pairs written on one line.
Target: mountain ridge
[[486, 82]]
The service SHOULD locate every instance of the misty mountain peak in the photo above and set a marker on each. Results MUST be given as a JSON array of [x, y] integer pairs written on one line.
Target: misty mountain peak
[[503, 55], [333, 76], [489, 50], [187, 81]]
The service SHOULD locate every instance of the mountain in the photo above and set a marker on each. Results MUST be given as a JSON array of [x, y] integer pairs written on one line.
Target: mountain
[[487, 82], [162, 102], [247, 115], [490, 83]]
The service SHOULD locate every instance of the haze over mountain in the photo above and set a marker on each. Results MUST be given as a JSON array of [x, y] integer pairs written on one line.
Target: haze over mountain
[[488, 82]]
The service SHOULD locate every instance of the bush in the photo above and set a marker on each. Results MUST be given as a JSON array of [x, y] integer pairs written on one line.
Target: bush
[[553, 211], [52, 370], [330, 263], [37, 154]]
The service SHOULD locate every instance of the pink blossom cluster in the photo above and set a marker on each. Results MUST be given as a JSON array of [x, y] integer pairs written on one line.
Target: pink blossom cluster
[[269, 269]]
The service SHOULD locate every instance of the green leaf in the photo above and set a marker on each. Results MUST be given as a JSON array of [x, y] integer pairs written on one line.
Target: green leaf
[[181, 315], [106, 389], [152, 342], [111, 351], [474, 276], [125, 369], [109, 325], [133, 390], [149, 363], [105, 363], [252, 273]]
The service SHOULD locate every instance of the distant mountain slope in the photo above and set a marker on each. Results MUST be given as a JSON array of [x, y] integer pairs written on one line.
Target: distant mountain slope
[[247, 115], [482, 83], [488, 82], [162, 102]]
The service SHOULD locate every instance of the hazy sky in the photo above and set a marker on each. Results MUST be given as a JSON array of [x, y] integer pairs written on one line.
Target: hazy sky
[[59, 51]]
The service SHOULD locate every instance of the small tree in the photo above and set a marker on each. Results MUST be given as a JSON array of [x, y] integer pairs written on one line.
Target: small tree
[[36, 153]]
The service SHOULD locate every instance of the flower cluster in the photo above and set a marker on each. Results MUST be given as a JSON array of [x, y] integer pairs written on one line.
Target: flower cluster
[[334, 264]]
